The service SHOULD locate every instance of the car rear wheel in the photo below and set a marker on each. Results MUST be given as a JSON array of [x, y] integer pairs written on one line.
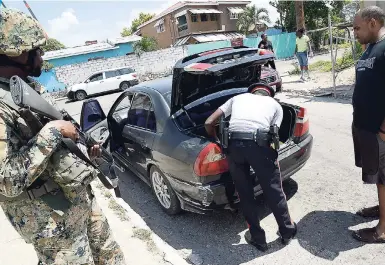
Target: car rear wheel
[[124, 85], [166, 196], [80, 95]]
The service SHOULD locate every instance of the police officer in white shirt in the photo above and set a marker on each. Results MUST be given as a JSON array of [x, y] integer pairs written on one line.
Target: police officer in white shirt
[[250, 145]]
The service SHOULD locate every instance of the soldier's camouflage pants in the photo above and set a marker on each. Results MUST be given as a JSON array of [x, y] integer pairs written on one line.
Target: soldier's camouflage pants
[[85, 240]]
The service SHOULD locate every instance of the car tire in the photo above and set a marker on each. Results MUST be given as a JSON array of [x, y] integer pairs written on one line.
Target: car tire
[[124, 85], [80, 95], [164, 193]]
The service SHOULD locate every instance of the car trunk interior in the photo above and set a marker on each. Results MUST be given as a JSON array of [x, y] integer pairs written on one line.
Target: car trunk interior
[[201, 112]]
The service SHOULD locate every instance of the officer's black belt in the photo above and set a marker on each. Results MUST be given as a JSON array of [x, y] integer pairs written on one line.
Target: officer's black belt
[[262, 138], [33, 193]]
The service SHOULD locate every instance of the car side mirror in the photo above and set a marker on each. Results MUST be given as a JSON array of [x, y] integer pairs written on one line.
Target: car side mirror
[[91, 114], [87, 81]]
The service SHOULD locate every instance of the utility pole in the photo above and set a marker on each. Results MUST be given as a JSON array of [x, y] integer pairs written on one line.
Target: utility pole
[[299, 14]]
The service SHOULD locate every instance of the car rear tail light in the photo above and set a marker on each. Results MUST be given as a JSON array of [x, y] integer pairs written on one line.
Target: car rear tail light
[[211, 161], [264, 52], [302, 124], [134, 75]]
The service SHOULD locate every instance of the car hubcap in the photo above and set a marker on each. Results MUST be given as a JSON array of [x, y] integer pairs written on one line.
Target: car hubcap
[[161, 190], [80, 96], [124, 86]]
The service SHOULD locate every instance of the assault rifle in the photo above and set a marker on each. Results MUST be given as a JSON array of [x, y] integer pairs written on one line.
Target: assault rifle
[[36, 112]]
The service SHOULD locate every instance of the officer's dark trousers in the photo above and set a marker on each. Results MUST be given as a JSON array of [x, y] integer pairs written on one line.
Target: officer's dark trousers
[[242, 155]]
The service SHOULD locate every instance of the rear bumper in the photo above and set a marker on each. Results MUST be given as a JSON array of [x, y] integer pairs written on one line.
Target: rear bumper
[[134, 82], [204, 199]]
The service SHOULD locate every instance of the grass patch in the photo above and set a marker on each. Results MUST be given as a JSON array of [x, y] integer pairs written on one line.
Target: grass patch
[[99, 185], [346, 61], [107, 194], [118, 209], [295, 71], [142, 234], [145, 235]]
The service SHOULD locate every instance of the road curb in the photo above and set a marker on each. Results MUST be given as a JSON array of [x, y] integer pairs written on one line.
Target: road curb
[[60, 99], [170, 254]]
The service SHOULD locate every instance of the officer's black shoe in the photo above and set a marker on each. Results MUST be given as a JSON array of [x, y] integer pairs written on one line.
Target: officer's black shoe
[[286, 241], [260, 246]]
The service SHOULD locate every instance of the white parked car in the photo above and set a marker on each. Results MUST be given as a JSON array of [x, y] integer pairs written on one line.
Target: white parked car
[[103, 82]]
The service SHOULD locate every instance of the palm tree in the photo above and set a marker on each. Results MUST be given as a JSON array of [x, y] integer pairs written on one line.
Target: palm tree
[[252, 16]]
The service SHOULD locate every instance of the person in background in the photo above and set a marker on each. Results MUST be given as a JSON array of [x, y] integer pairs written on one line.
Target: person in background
[[303, 50], [368, 127], [266, 44]]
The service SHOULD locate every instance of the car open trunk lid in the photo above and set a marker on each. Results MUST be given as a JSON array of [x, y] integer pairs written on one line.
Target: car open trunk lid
[[202, 74]]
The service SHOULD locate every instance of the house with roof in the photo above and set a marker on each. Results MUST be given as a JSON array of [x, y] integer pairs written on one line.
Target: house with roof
[[195, 21], [92, 51], [80, 54]]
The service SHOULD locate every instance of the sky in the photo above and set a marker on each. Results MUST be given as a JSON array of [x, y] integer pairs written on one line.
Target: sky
[[74, 22]]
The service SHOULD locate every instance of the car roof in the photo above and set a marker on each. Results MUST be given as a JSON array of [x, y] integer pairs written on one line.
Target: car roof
[[117, 68], [109, 69], [162, 85]]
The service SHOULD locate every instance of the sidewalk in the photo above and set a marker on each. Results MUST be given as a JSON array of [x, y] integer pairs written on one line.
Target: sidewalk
[[137, 243]]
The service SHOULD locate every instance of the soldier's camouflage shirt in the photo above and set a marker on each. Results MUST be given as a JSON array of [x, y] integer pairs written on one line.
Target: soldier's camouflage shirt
[[22, 163]]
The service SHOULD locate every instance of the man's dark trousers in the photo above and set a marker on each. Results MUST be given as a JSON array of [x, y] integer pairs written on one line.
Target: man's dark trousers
[[242, 155], [271, 63]]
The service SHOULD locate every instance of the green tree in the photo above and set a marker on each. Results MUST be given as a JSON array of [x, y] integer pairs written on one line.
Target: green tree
[[53, 45], [250, 17], [146, 44], [316, 13], [143, 18]]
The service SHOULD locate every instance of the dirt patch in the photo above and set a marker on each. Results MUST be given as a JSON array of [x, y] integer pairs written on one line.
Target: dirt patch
[[321, 84]]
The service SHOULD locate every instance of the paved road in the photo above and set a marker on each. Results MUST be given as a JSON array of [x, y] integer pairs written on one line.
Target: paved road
[[323, 197]]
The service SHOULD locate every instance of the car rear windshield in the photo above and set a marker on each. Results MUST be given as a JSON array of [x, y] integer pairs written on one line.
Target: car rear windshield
[[201, 109]]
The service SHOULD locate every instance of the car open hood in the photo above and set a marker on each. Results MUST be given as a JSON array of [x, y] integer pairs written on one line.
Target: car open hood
[[190, 75]]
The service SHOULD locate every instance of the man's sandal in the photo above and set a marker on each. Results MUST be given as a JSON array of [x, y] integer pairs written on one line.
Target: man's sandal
[[370, 212], [369, 235]]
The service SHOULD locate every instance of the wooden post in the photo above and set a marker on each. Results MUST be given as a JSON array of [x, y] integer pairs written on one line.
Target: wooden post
[[299, 14]]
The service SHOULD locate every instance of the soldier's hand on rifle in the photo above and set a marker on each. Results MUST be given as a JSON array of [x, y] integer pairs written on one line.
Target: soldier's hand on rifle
[[95, 151], [66, 128]]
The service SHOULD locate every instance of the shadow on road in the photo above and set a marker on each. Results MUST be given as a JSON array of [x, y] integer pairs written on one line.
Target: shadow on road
[[214, 238], [325, 234], [344, 96]]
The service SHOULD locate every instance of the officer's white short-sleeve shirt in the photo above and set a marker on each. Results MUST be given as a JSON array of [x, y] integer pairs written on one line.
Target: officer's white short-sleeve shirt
[[250, 112]]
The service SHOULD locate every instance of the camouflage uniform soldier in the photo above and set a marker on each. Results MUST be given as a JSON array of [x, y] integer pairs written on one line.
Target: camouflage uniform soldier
[[44, 189]]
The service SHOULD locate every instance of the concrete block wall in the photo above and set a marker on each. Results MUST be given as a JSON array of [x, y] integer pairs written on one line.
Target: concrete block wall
[[148, 63]]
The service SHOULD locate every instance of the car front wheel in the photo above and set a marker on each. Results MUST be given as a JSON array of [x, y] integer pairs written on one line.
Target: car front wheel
[[80, 95], [164, 192], [124, 85]]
